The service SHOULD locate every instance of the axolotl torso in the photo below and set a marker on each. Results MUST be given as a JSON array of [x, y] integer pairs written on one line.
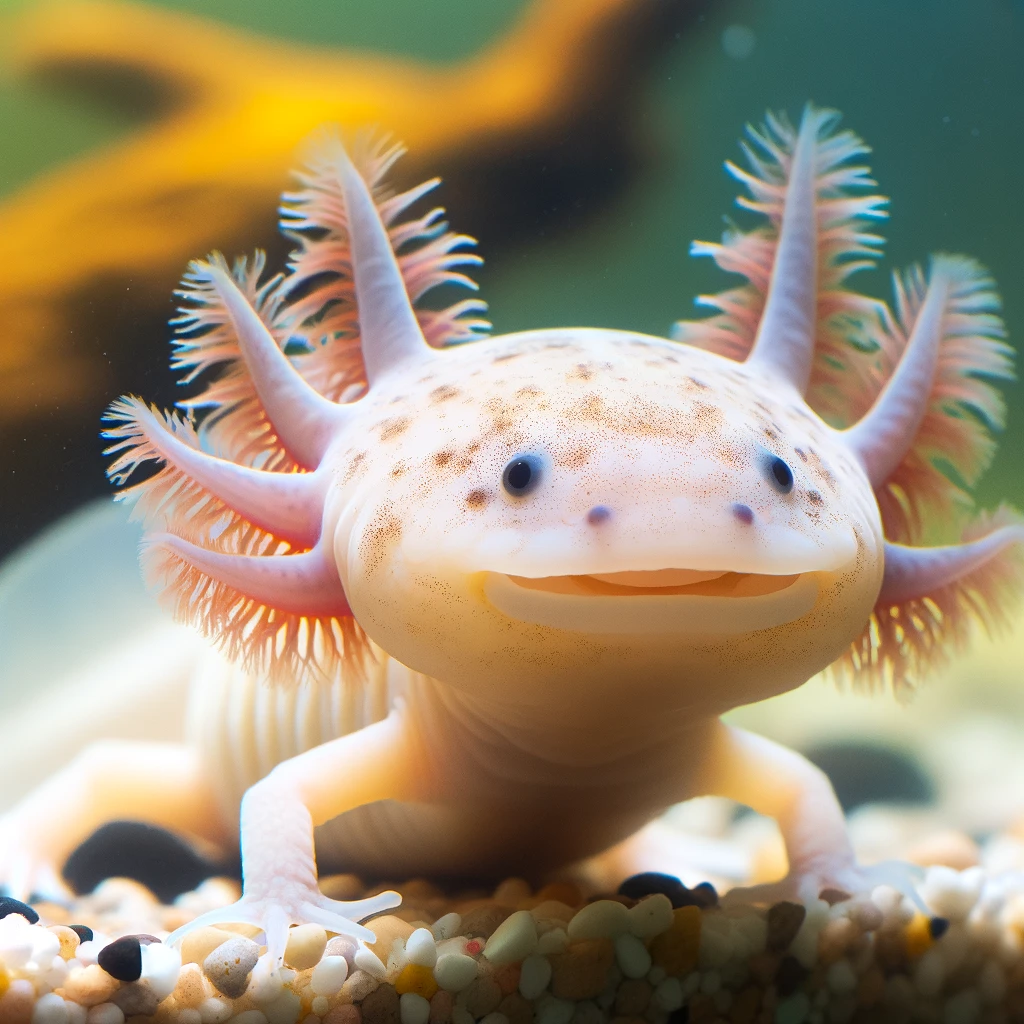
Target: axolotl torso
[[503, 588]]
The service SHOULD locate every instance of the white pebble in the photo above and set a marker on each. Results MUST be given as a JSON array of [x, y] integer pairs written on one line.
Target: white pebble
[[57, 973], [929, 973], [396, 958], [105, 1013], [840, 977], [494, 1018], [513, 939], [668, 994], [328, 976], [45, 945], [793, 1010], [87, 952], [320, 1005], [447, 926], [285, 1009], [651, 916], [603, 919], [366, 960], [631, 955], [15, 941], [413, 1008], [187, 1016], [554, 941], [963, 1008], [556, 1011], [420, 948], [214, 1011], [50, 1009], [161, 965], [455, 971], [79, 1014], [534, 976]]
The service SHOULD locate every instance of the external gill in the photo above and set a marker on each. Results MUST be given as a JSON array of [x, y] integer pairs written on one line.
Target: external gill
[[243, 554]]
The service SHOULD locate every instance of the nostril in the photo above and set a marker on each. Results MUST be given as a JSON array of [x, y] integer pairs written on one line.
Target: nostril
[[599, 514], [744, 513]]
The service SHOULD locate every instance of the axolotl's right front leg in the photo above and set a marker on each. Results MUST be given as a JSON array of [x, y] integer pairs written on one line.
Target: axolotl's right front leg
[[382, 761]]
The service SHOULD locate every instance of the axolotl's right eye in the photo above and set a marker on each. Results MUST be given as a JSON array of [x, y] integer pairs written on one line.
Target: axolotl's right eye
[[521, 475]]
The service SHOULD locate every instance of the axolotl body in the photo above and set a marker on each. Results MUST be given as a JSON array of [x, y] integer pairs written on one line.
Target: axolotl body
[[485, 599]]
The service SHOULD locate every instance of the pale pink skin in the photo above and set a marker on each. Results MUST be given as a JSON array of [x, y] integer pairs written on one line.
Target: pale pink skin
[[523, 715]]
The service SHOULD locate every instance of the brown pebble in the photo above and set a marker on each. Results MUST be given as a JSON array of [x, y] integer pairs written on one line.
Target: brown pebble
[[135, 997], [90, 986], [951, 849], [836, 938], [633, 997], [562, 892], [870, 987], [784, 920], [790, 976], [553, 910], [745, 1005], [516, 1008], [387, 928], [342, 887], [17, 1002], [763, 966], [381, 1006], [581, 971], [865, 915], [480, 997], [506, 976], [890, 950], [481, 921], [441, 1003], [419, 890], [512, 890], [702, 1009], [834, 896], [344, 1013], [190, 990]]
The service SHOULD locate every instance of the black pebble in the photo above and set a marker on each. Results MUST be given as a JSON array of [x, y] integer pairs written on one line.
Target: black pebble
[[83, 931], [122, 958], [789, 976], [9, 905], [938, 926], [680, 1016], [636, 887]]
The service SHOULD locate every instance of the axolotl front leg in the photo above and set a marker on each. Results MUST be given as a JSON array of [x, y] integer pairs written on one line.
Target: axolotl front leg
[[279, 813], [782, 784]]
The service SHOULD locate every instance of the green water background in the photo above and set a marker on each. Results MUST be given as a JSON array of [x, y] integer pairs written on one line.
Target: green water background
[[936, 87]]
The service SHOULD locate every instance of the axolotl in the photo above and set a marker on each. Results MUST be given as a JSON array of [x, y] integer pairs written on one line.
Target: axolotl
[[482, 600]]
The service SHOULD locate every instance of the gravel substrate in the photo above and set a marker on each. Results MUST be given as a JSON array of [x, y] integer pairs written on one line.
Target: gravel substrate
[[656, 952]]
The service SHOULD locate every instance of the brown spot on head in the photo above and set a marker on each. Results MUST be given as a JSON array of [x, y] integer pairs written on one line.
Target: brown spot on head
[[443, 458], [382, 533], [815, 497], [398, 469], [698, 383], [582, 371], [355, 465], [506, 357], [477, 498], [393, 427], [444, 393]]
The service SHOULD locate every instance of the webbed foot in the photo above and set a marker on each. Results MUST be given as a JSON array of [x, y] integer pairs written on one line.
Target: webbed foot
[[294, 905]]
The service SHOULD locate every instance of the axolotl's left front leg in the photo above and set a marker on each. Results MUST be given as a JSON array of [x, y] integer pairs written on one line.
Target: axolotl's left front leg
[[379, 762], [782, 784]]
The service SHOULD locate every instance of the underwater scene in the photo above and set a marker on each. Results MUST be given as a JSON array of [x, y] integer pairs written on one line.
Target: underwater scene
[[511, 511]]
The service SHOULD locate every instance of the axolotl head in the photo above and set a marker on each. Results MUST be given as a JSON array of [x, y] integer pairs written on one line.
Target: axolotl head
[[546, 516], [596, 506]]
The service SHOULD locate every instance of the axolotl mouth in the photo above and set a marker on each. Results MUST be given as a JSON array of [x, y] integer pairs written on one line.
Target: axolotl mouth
[[676, 601]]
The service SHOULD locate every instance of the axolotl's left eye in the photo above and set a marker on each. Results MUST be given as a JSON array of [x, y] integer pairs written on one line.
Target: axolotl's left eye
[[780, 475], [521, 475]]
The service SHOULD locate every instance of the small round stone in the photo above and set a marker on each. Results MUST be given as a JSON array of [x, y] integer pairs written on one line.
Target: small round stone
[[602, 919], [455, 971], [420, 948], [368, 961], [161, 966], [9, 905], [416, 979], [651, 916], [413, 1008], [122, 958], [83, 931], [306, 945], [89, 986], [105, 1013], [650, 882], [632, 957], [228, 967], [328, 976], [50, 1009], [513, 939], [447, 926], [784, 921], [535, 976]]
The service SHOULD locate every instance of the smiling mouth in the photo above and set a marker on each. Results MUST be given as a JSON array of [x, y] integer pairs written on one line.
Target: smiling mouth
[[675, 601]]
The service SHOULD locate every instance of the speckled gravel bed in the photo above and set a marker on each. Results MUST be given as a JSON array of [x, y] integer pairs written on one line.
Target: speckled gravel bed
[[654, 953]]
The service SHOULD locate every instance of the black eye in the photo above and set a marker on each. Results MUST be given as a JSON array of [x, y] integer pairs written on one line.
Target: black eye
[[521, 475], [780, 475]]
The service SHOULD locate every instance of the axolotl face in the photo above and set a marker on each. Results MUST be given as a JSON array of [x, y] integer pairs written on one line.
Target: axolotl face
[[552, 513]]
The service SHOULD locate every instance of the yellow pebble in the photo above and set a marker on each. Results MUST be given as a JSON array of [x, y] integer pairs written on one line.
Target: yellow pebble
[[69, 940], [198, 945], [305, 946], [675, 951], [416, 978], [5, 980], [918, 936], [386, 929]]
